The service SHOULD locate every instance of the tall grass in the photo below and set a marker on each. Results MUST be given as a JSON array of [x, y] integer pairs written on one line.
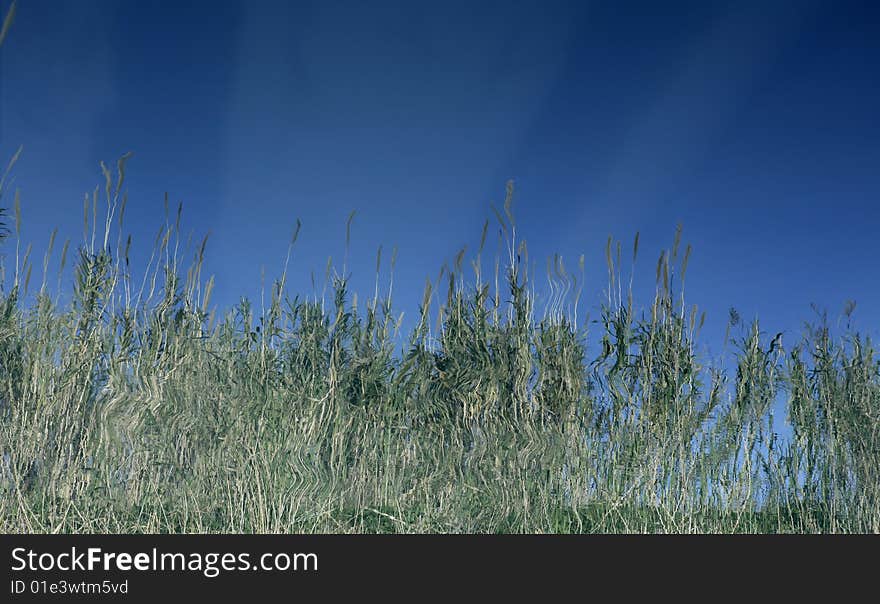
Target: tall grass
[[133, 407]]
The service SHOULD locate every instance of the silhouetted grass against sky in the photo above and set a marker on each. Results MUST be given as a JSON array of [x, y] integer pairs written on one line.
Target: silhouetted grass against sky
[[752, 123]]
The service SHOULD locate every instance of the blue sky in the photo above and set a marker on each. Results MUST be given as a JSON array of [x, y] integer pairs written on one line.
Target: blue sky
[[753, 124]]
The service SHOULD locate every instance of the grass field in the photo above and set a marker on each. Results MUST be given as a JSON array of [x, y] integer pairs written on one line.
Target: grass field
[[135, 408]]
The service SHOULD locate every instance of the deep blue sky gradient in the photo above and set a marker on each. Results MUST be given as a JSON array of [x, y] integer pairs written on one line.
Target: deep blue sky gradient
[[755, 124]]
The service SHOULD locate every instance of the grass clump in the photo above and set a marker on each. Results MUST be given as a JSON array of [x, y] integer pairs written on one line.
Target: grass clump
[[133, 407]]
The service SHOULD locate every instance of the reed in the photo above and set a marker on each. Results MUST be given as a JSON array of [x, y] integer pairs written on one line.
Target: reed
[[135, 406]]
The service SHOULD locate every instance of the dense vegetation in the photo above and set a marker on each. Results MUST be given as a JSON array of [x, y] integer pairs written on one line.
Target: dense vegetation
[[132, 407]]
